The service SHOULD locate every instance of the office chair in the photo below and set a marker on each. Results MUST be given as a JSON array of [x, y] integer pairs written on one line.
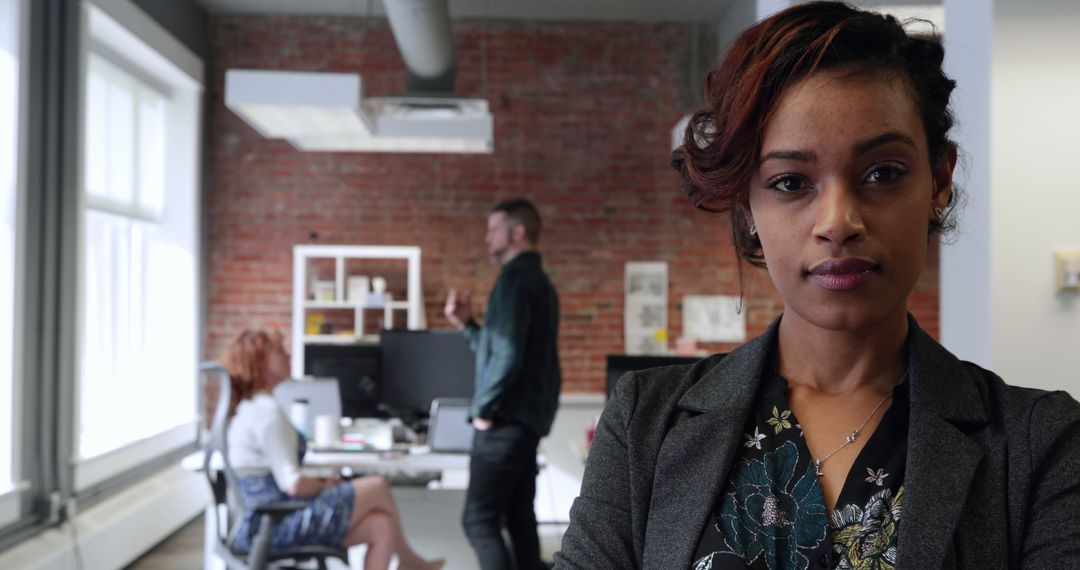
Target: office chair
[[222, 483]]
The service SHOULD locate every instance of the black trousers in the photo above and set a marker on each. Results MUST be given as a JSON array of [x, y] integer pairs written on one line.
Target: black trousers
[[502, 487]]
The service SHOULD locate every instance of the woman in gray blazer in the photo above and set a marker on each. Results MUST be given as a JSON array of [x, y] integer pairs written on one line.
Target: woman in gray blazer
[[845, 436]]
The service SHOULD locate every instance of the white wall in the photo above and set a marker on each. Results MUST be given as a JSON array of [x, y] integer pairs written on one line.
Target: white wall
[[1018, 65], [1035, 207], [766, 8], [965, 263], [739, 15]]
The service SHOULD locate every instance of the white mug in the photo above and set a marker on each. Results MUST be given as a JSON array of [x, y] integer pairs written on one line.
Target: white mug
[[358, 287], [298, 416], [327, 430]]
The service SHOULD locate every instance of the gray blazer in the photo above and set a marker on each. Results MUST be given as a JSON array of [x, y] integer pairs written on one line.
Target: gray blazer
[[992, 477]]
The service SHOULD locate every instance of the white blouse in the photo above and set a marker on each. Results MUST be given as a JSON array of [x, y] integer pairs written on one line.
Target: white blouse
[[261, 441]]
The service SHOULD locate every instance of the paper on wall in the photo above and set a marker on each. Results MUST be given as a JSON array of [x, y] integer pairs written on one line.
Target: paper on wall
[[713, 318], [645, 313]]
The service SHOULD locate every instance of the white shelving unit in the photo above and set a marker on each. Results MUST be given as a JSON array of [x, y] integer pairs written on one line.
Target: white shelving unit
[[304, 301]]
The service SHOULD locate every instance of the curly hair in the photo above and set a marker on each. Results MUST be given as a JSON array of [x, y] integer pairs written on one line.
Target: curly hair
[[246, 361], [722, 144]]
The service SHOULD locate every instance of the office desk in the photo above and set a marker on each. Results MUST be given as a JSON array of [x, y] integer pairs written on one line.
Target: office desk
[[448, 471], [413, 461]]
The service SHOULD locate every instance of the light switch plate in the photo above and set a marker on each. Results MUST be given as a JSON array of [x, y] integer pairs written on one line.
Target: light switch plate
[[1067, 270]]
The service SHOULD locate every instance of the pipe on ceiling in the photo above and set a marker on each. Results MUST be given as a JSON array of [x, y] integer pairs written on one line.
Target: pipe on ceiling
[[422, 30]]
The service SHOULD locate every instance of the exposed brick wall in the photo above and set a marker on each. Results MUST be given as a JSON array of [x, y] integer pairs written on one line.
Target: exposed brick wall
[[583, 113]]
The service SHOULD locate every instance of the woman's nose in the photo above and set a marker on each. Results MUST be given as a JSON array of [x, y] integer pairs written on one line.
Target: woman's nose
[[839, 219]]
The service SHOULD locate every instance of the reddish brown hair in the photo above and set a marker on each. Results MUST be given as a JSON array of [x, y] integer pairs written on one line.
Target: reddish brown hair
[[245, 359], [723, 141]]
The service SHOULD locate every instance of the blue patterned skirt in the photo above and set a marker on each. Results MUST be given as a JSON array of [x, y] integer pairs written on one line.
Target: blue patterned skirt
[[324, 521]]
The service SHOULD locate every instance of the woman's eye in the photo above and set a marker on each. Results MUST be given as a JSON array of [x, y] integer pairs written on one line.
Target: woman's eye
[[884, 174], [787, 184]]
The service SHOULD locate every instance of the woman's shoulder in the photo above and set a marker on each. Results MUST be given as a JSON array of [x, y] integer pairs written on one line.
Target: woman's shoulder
[[654, 389], [261, 408], [962, 390], [661, 377], [1028, 409], [260, 401], [263, 400]]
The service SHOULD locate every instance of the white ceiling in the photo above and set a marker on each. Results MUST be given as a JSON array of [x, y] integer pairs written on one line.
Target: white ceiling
[[610, 10]]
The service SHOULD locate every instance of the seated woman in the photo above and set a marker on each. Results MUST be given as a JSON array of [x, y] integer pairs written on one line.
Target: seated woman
[[845, 436], [265, 451]]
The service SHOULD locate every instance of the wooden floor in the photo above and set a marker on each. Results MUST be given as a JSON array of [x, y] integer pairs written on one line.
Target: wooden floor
[[181, 551]]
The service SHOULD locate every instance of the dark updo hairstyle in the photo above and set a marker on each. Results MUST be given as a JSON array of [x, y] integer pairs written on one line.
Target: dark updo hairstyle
[[723, 140]]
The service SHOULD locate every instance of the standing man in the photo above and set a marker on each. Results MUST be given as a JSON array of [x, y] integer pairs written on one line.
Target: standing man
[[517, 390]]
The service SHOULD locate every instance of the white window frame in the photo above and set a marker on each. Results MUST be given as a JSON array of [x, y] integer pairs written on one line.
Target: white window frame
[[11, 493], [101, 61], [116, 29]]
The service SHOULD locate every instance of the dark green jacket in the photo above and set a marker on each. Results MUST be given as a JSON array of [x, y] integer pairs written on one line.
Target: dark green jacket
[[517, 354]]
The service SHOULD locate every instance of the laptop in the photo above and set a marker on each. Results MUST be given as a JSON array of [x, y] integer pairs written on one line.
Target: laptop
[[449, 430], [322, 395]]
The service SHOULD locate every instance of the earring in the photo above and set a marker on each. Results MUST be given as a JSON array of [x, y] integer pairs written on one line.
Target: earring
[[939, 214], [753, 229]]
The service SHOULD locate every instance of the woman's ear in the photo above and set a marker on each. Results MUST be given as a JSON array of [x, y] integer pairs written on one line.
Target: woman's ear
[[943, 181]]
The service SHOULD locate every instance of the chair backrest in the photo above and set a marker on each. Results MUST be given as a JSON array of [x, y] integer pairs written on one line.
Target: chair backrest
[[220, 474]]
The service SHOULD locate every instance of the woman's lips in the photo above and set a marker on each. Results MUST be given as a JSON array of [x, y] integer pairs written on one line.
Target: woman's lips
[[843, 274]]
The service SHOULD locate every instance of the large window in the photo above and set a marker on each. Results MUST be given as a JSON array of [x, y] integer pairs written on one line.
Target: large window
[[100, 116], [138, 347], [125, 184], [10, 20]]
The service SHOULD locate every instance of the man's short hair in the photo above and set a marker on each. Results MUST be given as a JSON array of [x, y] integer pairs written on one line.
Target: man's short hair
[[522, 212]]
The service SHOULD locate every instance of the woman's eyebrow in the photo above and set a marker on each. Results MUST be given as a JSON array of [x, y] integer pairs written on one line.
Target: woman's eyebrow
[[892, 136], [861, 147], [799, 155]]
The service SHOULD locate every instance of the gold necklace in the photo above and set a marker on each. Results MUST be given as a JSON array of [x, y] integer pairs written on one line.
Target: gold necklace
[[855, 433]]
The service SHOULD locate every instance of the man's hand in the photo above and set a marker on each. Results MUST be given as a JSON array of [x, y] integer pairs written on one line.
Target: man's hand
[[458, 309], [481, 424]]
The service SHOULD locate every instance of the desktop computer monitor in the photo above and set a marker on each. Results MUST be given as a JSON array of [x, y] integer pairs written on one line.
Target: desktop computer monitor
[[356, 367], [619, 364], [420, 366]]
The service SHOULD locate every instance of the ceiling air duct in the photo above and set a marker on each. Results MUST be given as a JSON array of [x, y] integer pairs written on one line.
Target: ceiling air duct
[[318, 111], [422, 31]]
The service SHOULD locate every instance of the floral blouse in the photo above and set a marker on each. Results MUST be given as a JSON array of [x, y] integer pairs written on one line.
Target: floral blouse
[[771, 513]]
